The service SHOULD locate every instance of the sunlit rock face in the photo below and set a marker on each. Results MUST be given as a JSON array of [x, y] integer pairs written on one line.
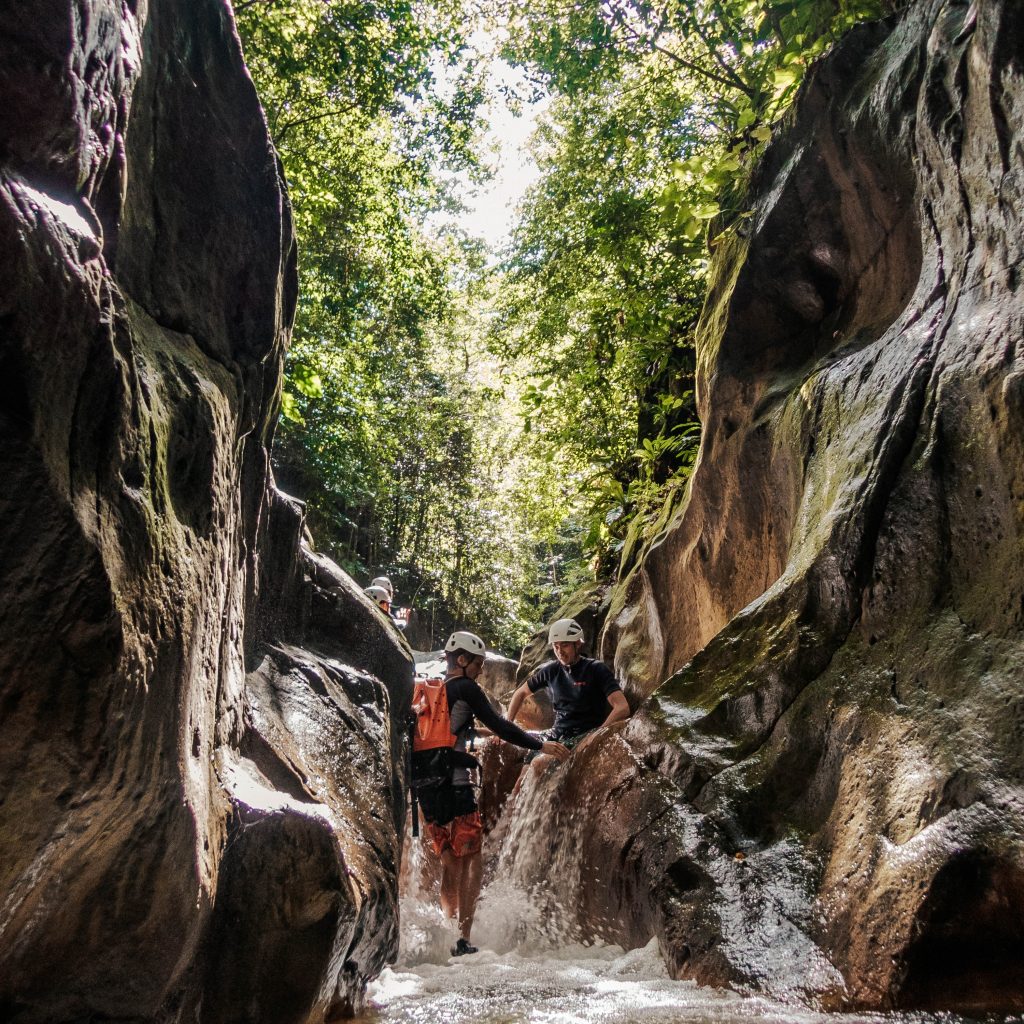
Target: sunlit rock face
[[197, 794], [825, 798], [498, 677]]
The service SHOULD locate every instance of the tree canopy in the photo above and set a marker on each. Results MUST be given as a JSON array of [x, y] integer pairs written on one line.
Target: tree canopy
[[488, 433], [661, 110]]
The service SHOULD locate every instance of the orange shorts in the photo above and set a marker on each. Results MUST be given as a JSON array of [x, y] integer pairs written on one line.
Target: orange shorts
[[462, 836]]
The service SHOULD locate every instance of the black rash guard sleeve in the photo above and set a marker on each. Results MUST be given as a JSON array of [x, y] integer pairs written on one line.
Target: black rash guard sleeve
[[605, 679], [539, 679], [469, 691]]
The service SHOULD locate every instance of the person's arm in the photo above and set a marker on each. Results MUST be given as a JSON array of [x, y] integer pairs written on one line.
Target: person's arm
[[482, 710], [522, 692], [612, 693], [620, 707], [619, 712]]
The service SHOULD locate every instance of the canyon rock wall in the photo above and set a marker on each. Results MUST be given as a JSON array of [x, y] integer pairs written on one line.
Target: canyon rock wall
[[198, 799], [825, 798]]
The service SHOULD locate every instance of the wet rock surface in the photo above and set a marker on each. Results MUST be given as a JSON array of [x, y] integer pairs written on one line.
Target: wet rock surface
[[198, 799], [824, 800]]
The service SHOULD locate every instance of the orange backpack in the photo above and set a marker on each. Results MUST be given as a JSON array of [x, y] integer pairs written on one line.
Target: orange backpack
[[433, 727], [432, 755]]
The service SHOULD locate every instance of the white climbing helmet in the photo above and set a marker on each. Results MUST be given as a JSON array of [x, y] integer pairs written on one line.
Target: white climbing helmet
[[565, 631], [377, 594], [383, 581], [460, 640]]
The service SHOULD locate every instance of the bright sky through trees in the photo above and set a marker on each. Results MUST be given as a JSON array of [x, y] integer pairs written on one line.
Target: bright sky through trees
[[490, 209], [491, 212]]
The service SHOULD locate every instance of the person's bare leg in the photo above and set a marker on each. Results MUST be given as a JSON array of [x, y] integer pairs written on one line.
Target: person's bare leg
[[451, 879], [469, 890]]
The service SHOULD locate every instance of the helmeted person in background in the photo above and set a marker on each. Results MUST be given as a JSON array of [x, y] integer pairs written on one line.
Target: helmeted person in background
[[383, 584], [380, 597], [584, 692], [457, 841]]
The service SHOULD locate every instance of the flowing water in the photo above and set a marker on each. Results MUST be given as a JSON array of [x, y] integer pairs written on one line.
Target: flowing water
[[532, 968], [527, 973], [524, 974]]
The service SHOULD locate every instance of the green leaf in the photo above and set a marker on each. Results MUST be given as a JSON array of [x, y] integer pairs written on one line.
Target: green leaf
[[706, 211], [290, 408], [306, 381]]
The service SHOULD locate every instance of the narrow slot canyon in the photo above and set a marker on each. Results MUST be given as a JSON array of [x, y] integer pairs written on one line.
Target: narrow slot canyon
[[736, 391]]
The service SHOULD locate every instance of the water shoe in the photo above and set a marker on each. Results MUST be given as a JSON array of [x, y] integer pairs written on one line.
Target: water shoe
[[462, 947]]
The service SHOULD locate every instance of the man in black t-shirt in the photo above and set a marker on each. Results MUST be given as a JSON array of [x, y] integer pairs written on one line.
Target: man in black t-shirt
[[583, 691]]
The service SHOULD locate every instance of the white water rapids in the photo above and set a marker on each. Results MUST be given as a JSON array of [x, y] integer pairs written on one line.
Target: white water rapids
[[524, 975], [532, 968]]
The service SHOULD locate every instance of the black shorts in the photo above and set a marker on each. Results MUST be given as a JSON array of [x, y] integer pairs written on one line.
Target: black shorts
[[566, 741], [444, 803]]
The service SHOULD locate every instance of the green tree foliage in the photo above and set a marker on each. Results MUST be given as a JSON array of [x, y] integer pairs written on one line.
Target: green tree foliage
[[596, 294], [740, 61], [355, 110], [369, 105], [482, 435], [395, 427], [660, 110]]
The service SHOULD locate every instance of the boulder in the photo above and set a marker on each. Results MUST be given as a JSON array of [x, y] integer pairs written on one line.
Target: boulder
[[536, 713], [498, 678]]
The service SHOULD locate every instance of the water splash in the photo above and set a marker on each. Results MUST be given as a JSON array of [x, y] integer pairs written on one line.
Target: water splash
[[426, 935], [508, 920], [531, 968]]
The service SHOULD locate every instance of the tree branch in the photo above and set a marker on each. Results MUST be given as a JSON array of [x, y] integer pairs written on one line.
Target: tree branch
[[299, 121], [730, 74], [731, 80], [732, 83]]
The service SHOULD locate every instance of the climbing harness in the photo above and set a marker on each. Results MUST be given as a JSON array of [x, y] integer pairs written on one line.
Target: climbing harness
[[433, 757]]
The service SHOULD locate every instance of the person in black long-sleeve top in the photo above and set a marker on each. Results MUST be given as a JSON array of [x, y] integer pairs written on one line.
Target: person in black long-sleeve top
[[458, 842]]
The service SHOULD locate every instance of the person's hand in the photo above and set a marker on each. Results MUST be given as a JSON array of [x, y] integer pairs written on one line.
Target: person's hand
[[555, 749]]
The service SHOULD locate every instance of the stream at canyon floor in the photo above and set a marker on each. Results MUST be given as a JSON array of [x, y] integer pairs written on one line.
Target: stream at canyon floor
[[524, 974]]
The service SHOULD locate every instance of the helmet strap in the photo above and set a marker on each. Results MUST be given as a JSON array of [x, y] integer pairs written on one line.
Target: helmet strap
[[454, 665]]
